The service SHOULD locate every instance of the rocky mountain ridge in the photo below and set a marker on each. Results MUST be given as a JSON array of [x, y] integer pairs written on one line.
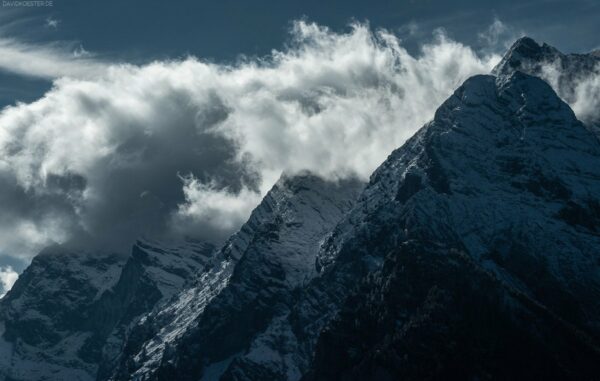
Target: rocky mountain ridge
[[69, 311]]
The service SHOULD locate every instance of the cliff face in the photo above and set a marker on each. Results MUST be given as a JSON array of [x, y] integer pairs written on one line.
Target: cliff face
[[252, 281], [68, 313]]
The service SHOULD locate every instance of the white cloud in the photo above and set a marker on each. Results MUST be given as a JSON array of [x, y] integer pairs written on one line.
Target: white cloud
[[499, 36], [52, 23], [221, 208], [494, 32], [7, 278], [587, 97], [334, 104], [48, 61], [410, 29]]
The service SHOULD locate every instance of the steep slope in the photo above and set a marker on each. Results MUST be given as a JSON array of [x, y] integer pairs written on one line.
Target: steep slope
[[69, 310], [487, 222], [432, 313], [155, 273], [46, 313], [252, 282]]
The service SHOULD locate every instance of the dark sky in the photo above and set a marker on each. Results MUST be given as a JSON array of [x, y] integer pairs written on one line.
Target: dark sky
[[139, 31], [226, 28]]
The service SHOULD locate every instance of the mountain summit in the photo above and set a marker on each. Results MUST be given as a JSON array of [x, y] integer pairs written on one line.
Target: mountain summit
[[574, 77]]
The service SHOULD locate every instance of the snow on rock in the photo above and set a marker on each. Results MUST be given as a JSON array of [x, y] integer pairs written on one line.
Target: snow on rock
[[70, 310], [46, 314], [251, 281]]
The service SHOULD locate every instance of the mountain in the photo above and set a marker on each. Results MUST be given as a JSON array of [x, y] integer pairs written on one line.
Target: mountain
[[574, 77], [529, 57], [252, 281], [487, 222], [45, 316], [69, 311]]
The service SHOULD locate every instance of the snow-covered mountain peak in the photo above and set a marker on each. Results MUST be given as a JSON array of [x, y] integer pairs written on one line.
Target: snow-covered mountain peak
[[574, 77], [524, 52]]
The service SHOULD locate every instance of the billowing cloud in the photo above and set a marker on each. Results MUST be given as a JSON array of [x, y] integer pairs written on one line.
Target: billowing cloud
[[189, 147], [7, 278], [587, 97], [217, 209]]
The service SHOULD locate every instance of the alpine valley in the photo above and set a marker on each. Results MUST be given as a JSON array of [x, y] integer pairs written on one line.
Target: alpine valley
[[473, 253]]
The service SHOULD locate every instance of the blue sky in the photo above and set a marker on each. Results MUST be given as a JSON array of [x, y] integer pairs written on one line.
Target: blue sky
[[139, 31]]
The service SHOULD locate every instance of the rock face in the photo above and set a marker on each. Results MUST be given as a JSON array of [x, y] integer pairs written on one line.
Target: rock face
[[154, 274], [432, 313], [47, 315], [69, 311], [251, 283]]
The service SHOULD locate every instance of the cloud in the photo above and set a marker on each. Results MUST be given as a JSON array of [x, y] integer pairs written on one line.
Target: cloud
[[582, 94], [494, 32], [52, 23], [112, 152], [587, 97], [410, 29], [218, 209], [578, 84], [498, 36], [48, 61], [7, 278]]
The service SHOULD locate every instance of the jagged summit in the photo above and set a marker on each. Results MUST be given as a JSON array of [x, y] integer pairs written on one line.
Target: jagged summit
[[524, 52], [572, 76], [527, 55]]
